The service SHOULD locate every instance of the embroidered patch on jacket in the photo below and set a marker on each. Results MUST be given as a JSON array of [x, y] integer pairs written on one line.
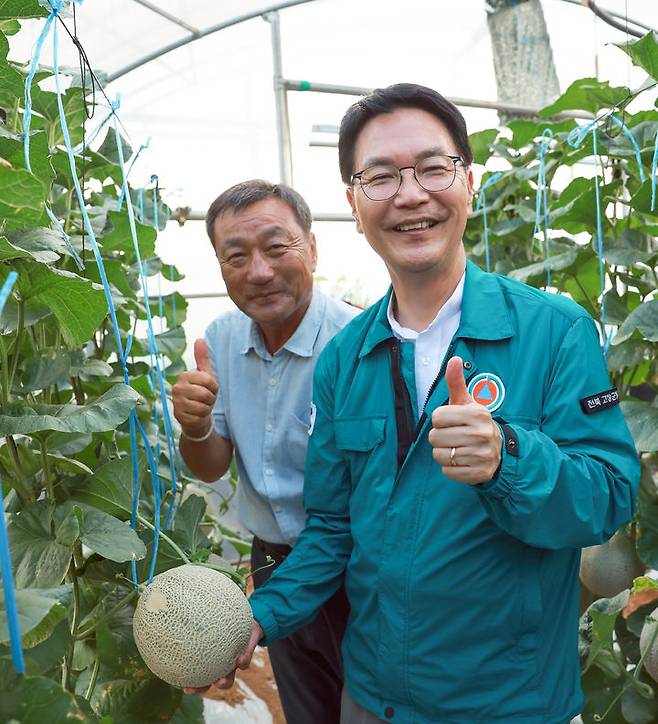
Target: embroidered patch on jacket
[[600, 401], [488, 390], [311, 424]]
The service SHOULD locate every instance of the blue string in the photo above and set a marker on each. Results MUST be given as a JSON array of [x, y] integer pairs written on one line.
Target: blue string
[[140, 205], [150, 334], [156, 496], [5, 557], [27, 121], [130, 168], [575, 138], [541, 200], [638, 158], [99, 261], [654, 170], [482, 204]]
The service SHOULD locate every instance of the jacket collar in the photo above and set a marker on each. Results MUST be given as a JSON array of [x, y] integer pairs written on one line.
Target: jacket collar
[[484, 313]]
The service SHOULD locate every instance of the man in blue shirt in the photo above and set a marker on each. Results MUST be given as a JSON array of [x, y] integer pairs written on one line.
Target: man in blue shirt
[[251, 394], [453, 504]]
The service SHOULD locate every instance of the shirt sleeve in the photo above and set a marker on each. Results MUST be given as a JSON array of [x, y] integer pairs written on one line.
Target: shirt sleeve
[[573, 482], [314, 570]]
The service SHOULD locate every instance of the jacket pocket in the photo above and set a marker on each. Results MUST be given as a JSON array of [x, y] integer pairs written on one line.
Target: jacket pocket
[[529, 608], [296, 440], [359, 433]]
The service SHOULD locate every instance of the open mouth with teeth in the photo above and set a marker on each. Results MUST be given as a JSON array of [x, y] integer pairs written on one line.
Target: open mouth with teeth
[[417, 226]]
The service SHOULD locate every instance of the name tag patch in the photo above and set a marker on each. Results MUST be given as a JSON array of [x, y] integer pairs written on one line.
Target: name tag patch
[[600, 401]]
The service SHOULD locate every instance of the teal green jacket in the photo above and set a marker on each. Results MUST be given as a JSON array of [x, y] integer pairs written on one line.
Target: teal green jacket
[[464, 599]]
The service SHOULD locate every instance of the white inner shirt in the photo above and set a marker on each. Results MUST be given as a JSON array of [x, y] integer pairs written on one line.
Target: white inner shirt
[[432, 343]]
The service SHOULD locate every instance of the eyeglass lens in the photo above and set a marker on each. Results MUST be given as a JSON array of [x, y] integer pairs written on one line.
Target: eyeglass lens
[[435, 173]]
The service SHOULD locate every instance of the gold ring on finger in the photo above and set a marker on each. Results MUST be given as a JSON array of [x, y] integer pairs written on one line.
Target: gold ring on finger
[[453, 462]]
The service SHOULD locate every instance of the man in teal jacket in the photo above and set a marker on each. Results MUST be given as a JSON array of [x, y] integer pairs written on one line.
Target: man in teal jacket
[[464, 446]]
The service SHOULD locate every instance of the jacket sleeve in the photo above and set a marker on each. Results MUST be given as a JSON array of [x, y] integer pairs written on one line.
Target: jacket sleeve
[[573, 482], [313, 572]]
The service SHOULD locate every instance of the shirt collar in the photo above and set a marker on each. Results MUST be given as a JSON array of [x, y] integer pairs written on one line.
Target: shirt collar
[[451, 308], [302, 339], [484, 313]]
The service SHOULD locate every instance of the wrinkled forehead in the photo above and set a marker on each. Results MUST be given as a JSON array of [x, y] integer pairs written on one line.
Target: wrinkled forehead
[[255, 223], [400, 137]]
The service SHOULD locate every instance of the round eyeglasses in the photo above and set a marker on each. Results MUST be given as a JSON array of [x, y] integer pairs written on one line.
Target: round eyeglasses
[[382, 181]]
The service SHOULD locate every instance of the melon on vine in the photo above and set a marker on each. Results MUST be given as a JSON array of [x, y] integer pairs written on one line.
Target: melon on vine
[[190, 625], [610, 568]]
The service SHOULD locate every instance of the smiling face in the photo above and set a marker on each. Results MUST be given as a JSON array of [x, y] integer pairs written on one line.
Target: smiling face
[[267, 262], [416, 232]]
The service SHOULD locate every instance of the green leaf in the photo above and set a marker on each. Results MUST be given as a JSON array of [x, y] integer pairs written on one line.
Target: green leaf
[[111, 488], [539, 269], [603, 614], [647, 517], [643, 53], [110, 538], [9, 27], [644, 318], [586, 94], [11, 9], [641, 200], [43, 245], [174, 308], [109, 150], [525, 131], [190, 711], [105, 413], [644, 583], [131, 702], [39, 612], [79, 306], [68, 531], [39, 561], [119, 238], [170, 343], [642, 421], [481, 144], [187, 531], [628, 354], [41, 372], [21, 198], [35, 700]]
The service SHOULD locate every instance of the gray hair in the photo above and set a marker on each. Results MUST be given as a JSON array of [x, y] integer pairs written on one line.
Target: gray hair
[[247, 193]]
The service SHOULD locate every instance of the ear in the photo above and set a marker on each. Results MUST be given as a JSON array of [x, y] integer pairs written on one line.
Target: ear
[[469, 182], [314, 250], [352, 201]]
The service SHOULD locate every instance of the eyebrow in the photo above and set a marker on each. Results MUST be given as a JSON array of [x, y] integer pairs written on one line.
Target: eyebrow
[[266, 233], [386, 160]]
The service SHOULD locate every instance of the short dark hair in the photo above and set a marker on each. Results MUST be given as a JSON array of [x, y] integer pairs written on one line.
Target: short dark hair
[[251, 192], [386, 100]]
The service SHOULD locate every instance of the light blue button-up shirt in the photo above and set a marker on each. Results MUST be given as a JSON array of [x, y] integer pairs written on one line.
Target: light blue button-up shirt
[[263, 406]]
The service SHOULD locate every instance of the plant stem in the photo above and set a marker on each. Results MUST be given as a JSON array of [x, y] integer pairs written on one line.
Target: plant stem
[[47, 474], [94, 677], [165, 538], [84, 633], [5, 372], [20, 483], [20, 326], [68, 654]]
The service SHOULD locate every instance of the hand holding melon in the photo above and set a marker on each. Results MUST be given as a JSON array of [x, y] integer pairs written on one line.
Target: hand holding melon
[[195, 392], [191, 624]]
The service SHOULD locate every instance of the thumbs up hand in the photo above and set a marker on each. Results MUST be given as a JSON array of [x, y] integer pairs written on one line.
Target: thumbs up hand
[[195, 392], [465, 440]]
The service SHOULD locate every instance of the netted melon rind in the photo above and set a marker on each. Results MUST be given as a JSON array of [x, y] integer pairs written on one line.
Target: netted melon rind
[[610, 568], [190, 624]]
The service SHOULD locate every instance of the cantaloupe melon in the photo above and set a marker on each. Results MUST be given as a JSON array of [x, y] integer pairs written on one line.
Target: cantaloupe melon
[[190, 624], [651, 659], [610, 568]]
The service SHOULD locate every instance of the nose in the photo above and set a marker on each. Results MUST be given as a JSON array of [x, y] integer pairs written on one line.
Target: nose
[[411, 193], [260, 270]]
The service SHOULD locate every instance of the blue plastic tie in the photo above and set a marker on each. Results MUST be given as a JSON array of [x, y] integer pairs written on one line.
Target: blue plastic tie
[[575, 138], [638, 157], [482, 204], [150, 334], [156, 495], [541, 200], [27, 121], [5, 557], [654, 171], [94, 245]]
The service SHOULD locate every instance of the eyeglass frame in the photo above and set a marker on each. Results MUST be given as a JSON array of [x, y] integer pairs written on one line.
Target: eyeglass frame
[[400, 169]]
